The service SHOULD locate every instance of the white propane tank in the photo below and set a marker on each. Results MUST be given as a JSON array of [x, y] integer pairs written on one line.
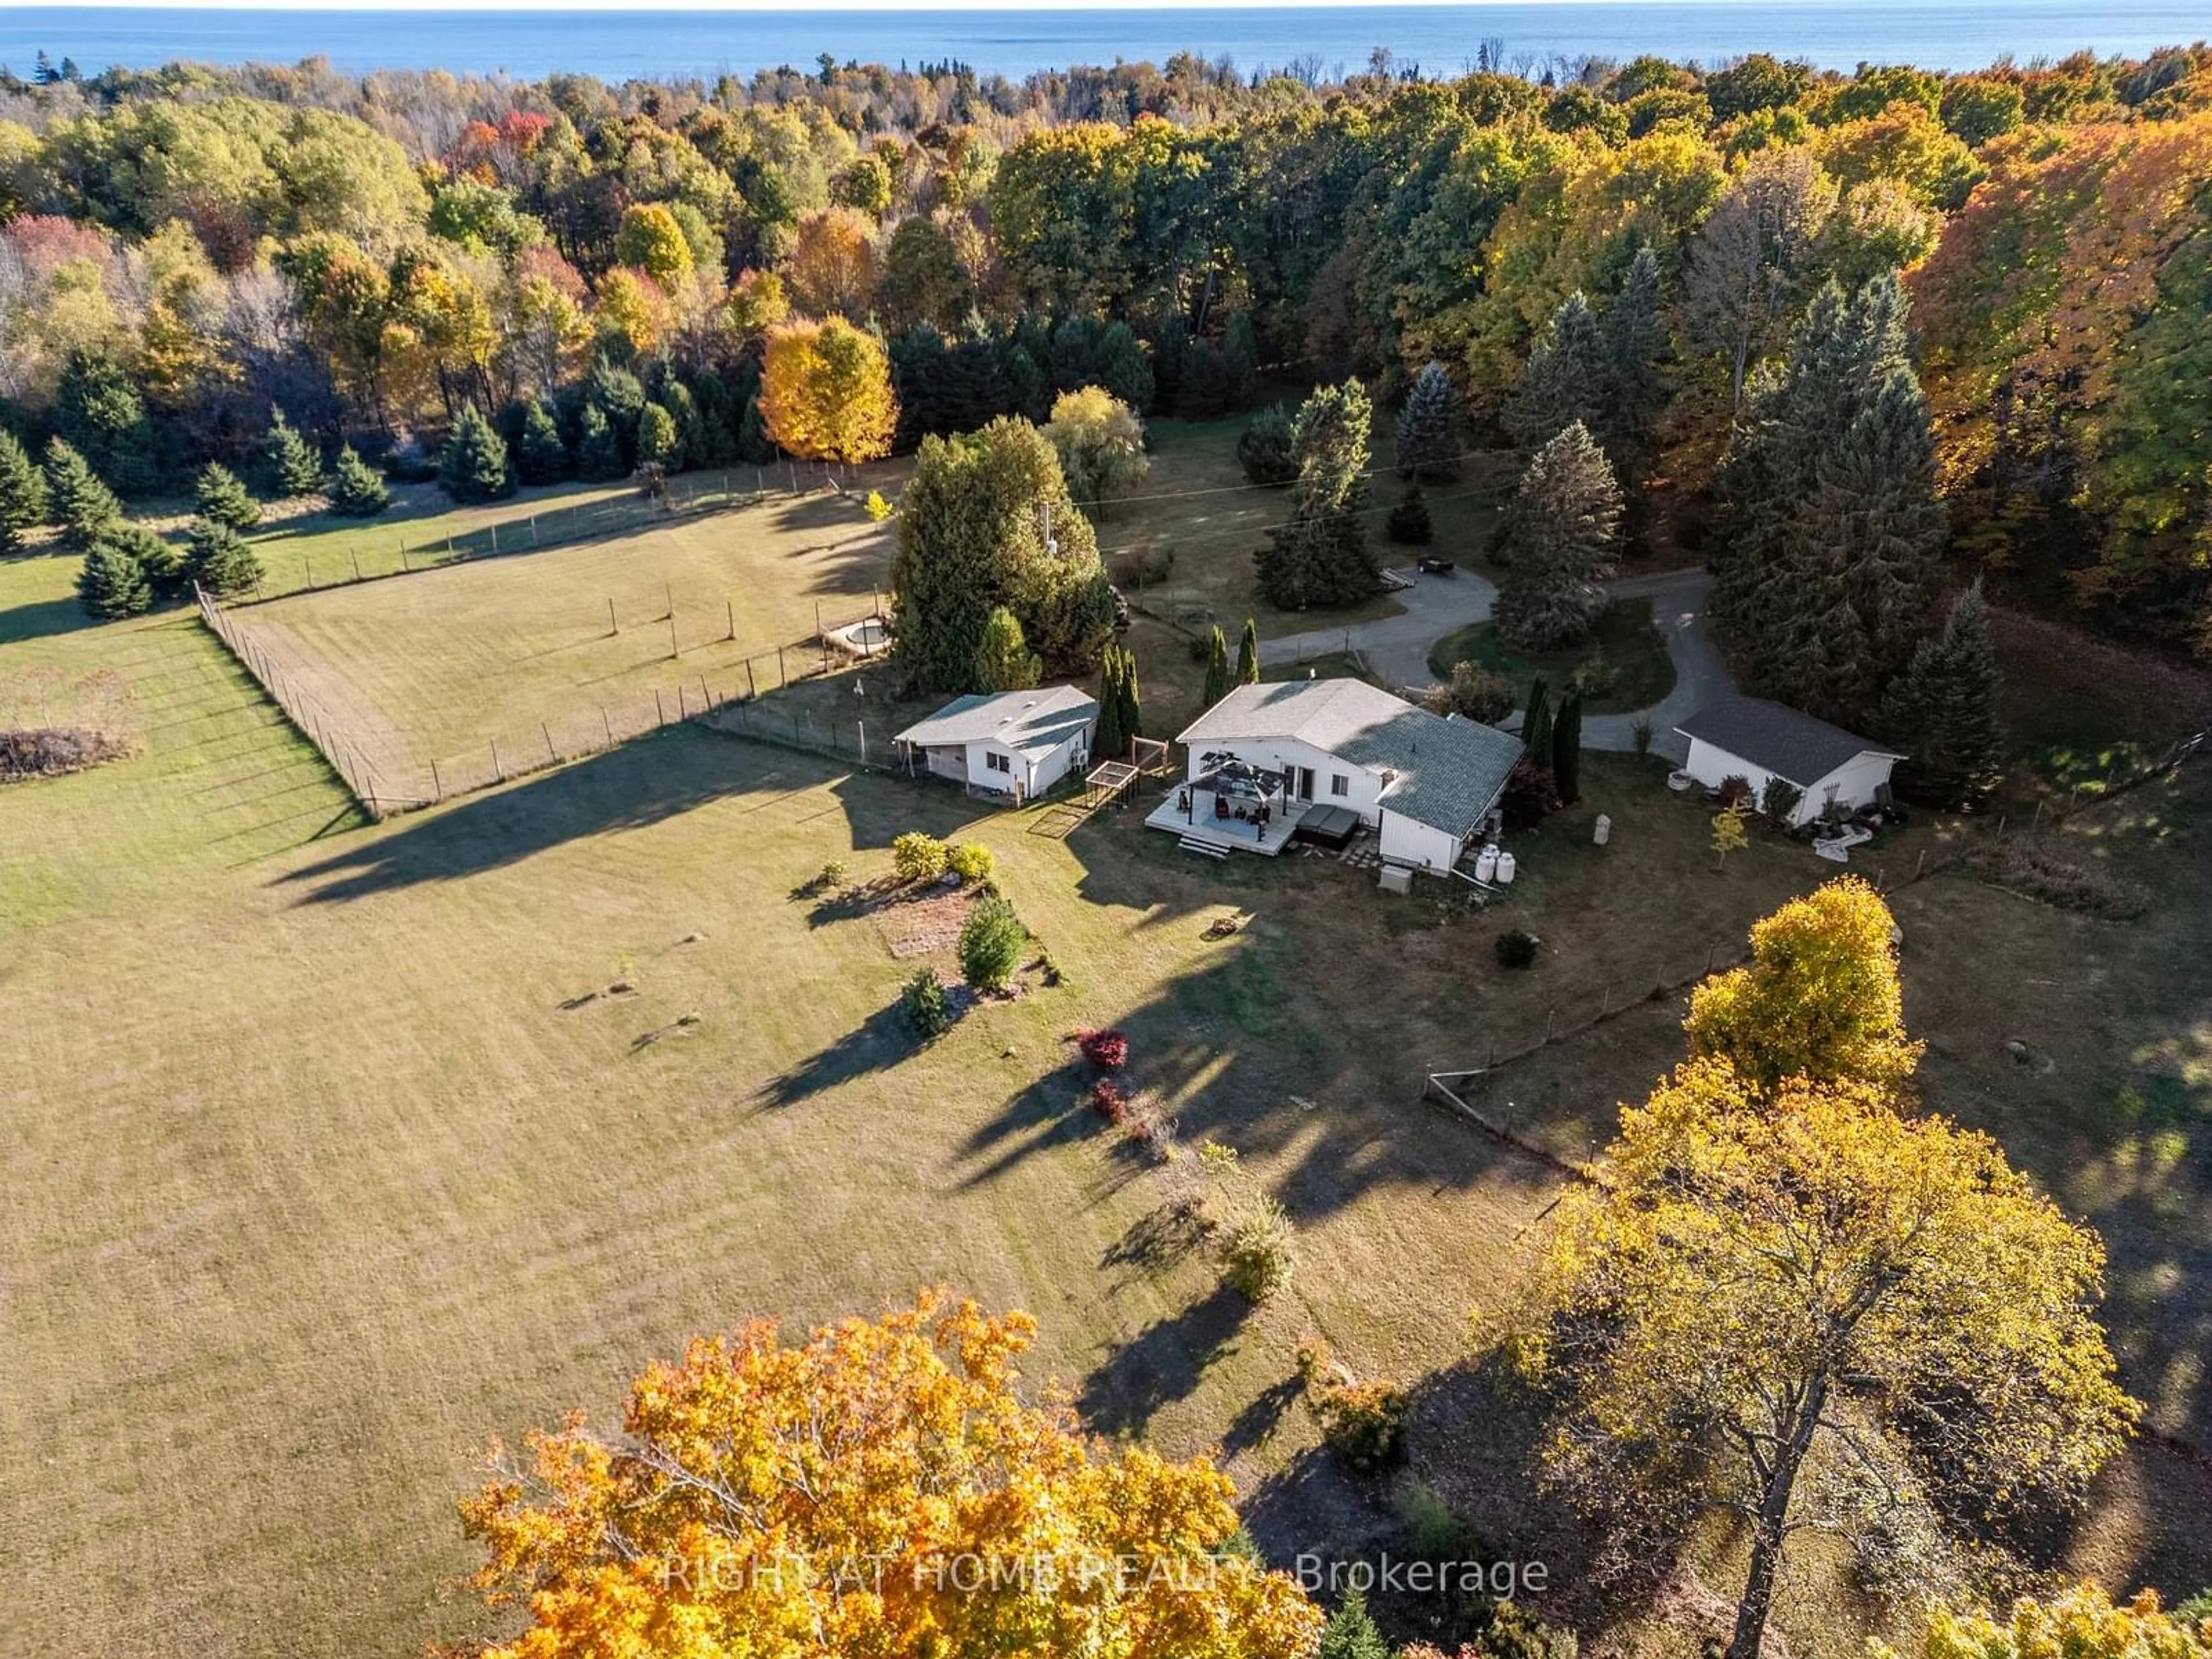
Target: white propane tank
[[1506, 869], [1603, 831], [1485, 863]]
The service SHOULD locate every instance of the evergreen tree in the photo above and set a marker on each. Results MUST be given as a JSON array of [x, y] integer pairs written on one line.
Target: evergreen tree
[[220, 560], [619, 396], [1124, 368], [24, 499], [540, 456], [1004, 662], [1536, 724], [1208, 384], [111, 582], [1133, 702], [104, 418], [1409, 524], [1635, 379], [599, 453], [1565, 381], [659, 443], [158, 560], [1248, 654], [1320, 555], [1240, 350], [1826, 553], [754, 444], [1351, 1632], [1567, 747], [718, 413], [1428, 428], [85, 507], [973, 388], [473, 466], [1029, 389], [289, 463], [223, 500], [1217, 669], [1112, 741], [1264, 449], [1564, 524], [357, 490], [1945, 712]]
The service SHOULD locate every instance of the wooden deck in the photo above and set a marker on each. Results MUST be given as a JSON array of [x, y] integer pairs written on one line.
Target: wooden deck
[[1226, 835]]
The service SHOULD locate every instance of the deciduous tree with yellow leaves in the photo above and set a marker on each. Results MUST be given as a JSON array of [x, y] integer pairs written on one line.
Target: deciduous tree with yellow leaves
[[2079, 1623], [878, 1492], [826, 391]]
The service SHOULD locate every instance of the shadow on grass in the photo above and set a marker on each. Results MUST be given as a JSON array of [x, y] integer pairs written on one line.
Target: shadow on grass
[[42, 619], [1162, 1363], [883, 1040]]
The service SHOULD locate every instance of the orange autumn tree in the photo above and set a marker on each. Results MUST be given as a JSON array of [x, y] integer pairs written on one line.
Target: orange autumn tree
[[826, 391], [880, 1492]]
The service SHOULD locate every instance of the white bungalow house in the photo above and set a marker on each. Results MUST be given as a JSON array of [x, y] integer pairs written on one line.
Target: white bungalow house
[[1008, 743], [1753, 740], [1327, 753]]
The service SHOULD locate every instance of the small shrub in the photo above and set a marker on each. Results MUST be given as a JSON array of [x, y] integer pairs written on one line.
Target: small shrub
[[1780, 798], [1434, 1531], [1516, 948], [1151, 1127], [918, 857], [1142, 564], [1260, 1251], [1108, 1050], [922, 1001], [1640, 734], [1531, 795], [1365, 1422], [1409, 524], [1264, 449], [972, 862], [1596, 675], [833, 875], [1110, 1100], [991, 944], [1473, 693], [1735, 790]]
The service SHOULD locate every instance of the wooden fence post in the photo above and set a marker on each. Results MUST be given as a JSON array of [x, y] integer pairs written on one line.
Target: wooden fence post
[[607, 725], [498, 770], [551, 753], [613, 627], [437, 783], [659, 710], [674, 649], [730, 608], [752, 690]]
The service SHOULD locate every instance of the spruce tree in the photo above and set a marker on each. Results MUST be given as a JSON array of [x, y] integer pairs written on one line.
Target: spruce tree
[[104, 418], [1217, 669], [659, 443], [1351, 1632], [1240, 348], [1004, 662], [85, 507], [1320, 555], [1566, 756], [1536, 723], [1264, 449], [619, 396], [540, 457], [599, 453], [158, 560], [1409, 524], [1124, 368], [1945, 712], [112, 583], [1428, 428], [1248, 654], [473, 466], [357, 490], [1208, 384], [1112, 742], [289, 463], [1028, 389], [1564, 526], [1565, 379], [1635, 379], [24, 499], [223, 500], [754, 444], [220, 560]]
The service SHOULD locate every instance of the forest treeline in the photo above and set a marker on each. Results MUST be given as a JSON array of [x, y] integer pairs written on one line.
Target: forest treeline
[[596, 271]]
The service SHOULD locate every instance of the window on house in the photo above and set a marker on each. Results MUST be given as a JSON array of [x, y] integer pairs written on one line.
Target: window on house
[[997, 763], [1338, 784]]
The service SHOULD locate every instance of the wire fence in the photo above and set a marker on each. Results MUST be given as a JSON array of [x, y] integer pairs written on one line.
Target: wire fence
[[378, 552]]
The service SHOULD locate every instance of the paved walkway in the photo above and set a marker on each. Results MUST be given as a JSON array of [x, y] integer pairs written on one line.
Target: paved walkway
[[1397, 647]]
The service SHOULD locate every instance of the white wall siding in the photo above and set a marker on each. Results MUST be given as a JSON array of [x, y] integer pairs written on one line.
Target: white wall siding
[[1855, 782], [1404, 842]]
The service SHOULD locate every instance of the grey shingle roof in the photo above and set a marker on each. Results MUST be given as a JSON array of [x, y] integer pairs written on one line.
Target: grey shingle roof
[[1025, 720], [1445, 773], [1779, 738]]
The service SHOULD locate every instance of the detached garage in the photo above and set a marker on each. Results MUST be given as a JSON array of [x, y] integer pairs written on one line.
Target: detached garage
[[1008, 743], [1753, 740]]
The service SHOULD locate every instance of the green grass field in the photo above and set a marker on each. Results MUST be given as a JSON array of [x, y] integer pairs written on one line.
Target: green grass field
[[337, 1157], [1624, 663]]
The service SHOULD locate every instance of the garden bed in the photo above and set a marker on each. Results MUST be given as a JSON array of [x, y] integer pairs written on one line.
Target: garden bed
[[1623, 667]]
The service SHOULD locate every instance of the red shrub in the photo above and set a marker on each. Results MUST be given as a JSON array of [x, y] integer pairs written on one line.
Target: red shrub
[[1108, 1100], [1108, 1050]]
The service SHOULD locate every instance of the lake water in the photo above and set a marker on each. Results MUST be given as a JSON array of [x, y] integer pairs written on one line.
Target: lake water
[[1440, 39]]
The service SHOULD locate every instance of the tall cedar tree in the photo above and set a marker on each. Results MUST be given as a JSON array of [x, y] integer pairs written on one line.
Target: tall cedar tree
[[1635, 373], [1111, 741], [356, 491], [289, 463], [1565, 381], [220, 560], [112, 583], [223, 500], [24, 499], [473, 466], [1564, 527], [1248, 654], [1004, 662], [1320, 555], [1217, 669], [1827, 550], [1427, 433], [1567, 747], [541, 458], [1536, 723], [1133, 702], [972, 528], [85, 507], [1944, 713]]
